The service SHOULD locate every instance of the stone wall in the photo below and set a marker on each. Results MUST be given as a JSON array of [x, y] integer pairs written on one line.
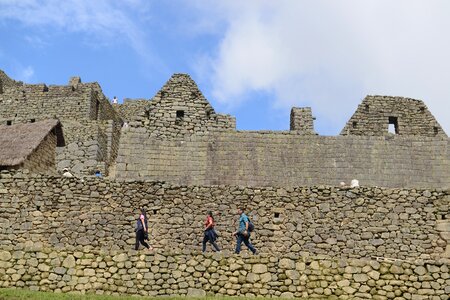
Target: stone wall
[[359, 222], [285, 159], [408, 116], [6, 81], [91, 125], [164, 274], [42, 160], [86, 147], [178, 109], [132, 108], [302, 120], [39, 102]]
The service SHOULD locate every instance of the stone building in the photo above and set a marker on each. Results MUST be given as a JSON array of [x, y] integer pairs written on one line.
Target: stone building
[[176, 136], [91, 126], [176, 157], [30, 146]]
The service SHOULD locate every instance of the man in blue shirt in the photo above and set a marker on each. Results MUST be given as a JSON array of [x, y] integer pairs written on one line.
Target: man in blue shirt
[[243, 235]]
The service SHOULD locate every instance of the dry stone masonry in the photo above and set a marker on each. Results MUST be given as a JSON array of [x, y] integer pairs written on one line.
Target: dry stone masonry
[[178, 158], [176, 136], [406, 116], [184, 273], [357, 222]]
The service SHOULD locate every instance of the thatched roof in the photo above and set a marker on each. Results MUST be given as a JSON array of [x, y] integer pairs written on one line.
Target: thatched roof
[[18, 141]]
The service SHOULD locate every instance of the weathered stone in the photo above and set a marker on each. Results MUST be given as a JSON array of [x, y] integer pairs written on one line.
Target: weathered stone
[[191, 292], [122, 257], [5, 256], [259, 268], [286, 263], [420, 270]]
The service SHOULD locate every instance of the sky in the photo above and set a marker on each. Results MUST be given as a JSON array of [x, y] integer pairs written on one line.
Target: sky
[[252, 59]]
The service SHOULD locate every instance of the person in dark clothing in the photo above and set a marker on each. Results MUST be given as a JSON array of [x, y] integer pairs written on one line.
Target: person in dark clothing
[[142, 231], [243, 234], [209, 233]]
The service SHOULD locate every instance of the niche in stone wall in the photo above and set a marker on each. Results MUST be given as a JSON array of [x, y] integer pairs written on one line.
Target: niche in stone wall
[[179, 117], [9, 122], [354, 124], [277, 215], [393, 125], [436, 130]]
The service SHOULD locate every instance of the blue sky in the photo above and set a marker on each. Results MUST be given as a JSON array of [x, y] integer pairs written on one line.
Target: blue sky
[[251, 59]]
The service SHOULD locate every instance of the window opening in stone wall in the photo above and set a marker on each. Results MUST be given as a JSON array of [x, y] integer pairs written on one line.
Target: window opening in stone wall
[[422, 109], [276, 215], [366, 107], [180, 117], [9, 122], [436, 130], [354, 124], [32, 120], [393, 125]]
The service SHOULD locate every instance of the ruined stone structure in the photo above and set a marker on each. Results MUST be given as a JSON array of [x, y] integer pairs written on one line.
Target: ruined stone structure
[[177, 157], [177, 137], [64, 234], [30, 146], [165, 273], [407, 117], [91, 126]]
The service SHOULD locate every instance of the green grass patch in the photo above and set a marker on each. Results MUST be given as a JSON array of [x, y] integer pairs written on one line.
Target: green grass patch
[[19, 294]]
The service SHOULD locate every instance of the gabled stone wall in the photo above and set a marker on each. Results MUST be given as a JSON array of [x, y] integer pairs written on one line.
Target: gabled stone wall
[[42, 160], [178, 109], [407, 116]]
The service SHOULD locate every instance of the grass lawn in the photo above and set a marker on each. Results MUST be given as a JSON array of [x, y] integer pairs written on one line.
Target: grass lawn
[[19, 294]]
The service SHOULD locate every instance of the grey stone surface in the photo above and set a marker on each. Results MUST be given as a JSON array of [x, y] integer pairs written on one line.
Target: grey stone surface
[[99, 271]]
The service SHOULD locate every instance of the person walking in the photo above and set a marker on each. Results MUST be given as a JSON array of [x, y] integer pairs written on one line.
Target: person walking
[[243, 233], [209, 233], [142, 230]]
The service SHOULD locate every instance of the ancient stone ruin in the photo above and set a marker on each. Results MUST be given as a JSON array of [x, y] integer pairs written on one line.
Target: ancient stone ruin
[[173, 154]]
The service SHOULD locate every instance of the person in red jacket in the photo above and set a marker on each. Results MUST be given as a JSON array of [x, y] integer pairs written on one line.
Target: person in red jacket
[[209, 233]]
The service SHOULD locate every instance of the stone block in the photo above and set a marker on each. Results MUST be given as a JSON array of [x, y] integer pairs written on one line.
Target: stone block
[[259, 268], [195, 292]]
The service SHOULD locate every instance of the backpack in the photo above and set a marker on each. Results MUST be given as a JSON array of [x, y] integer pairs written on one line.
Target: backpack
[[251, 227]]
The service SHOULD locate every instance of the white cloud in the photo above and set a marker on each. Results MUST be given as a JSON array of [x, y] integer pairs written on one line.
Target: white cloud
[[330, 54], [107, 21]]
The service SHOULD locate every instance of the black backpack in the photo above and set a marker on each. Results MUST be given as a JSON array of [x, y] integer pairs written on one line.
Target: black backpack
[[251, 227]]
